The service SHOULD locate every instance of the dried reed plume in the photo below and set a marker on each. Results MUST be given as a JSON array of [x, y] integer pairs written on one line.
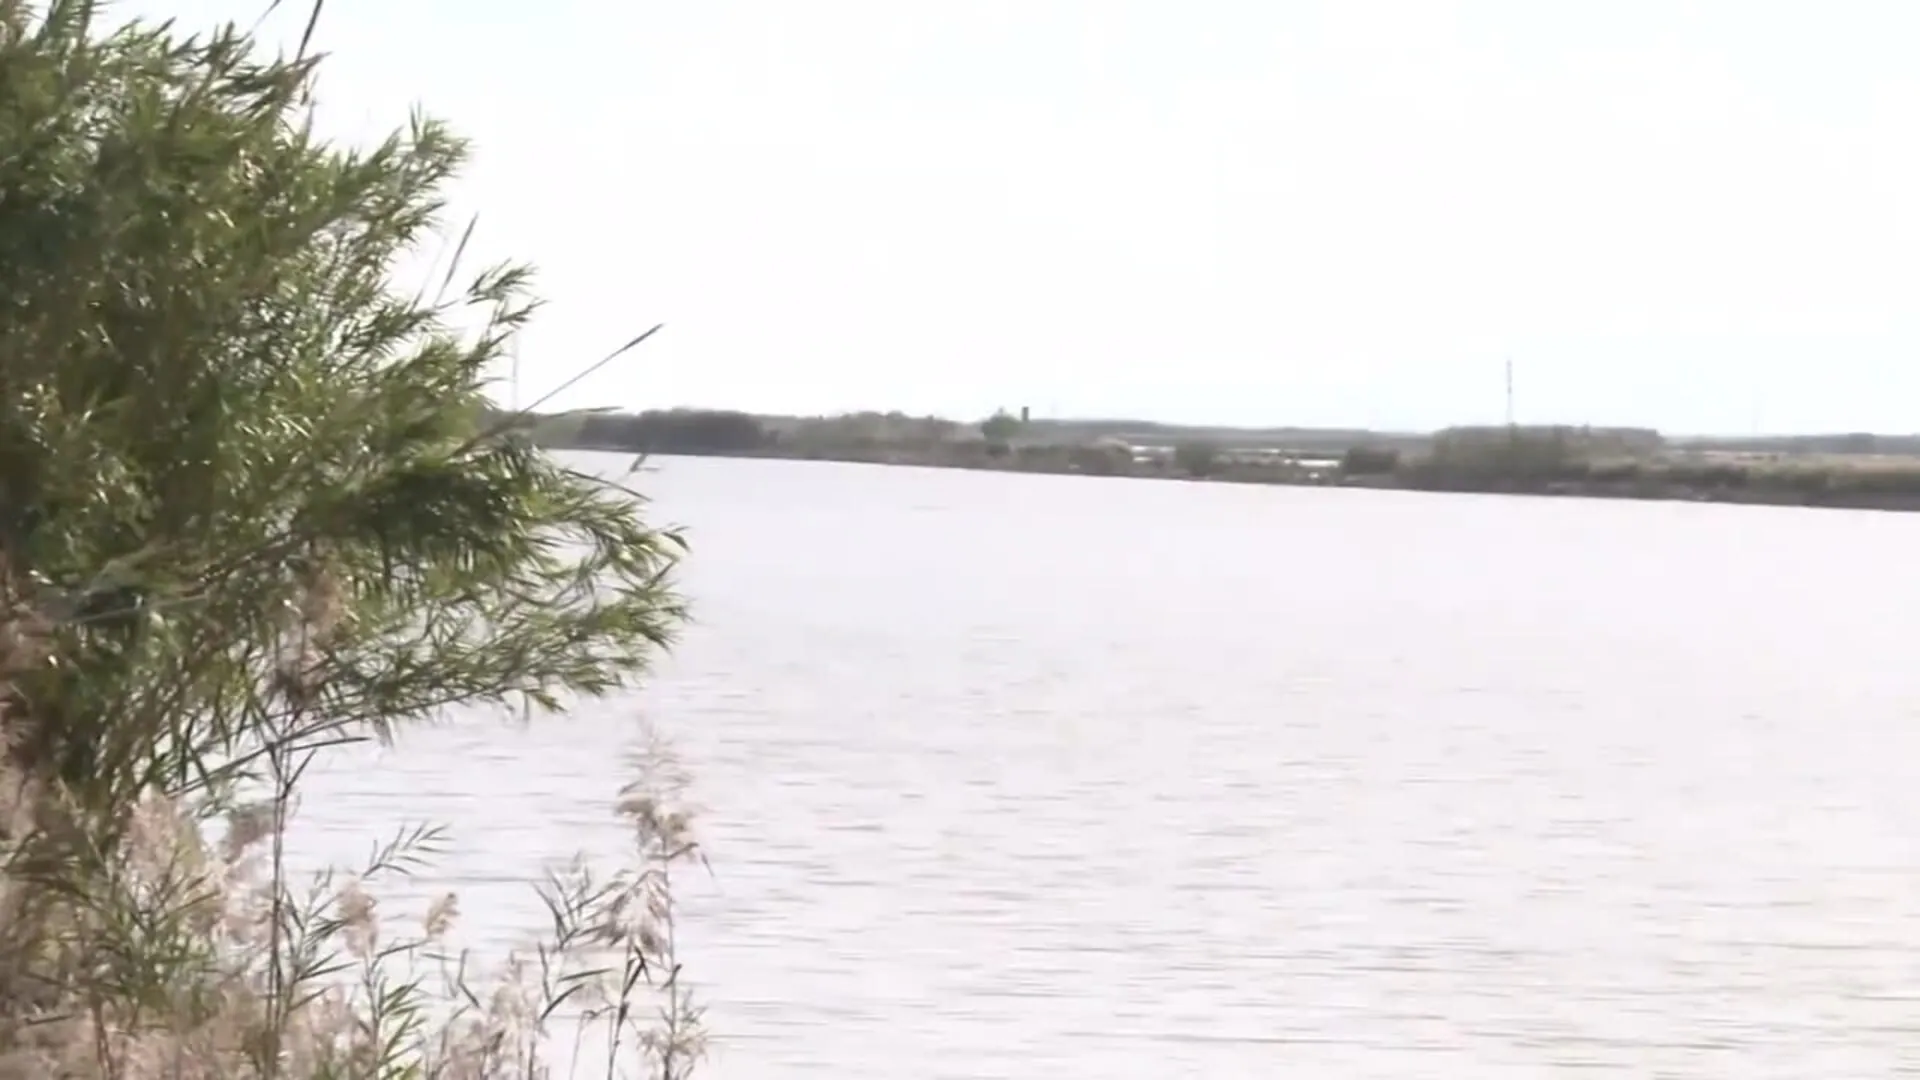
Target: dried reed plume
[[187, 953]]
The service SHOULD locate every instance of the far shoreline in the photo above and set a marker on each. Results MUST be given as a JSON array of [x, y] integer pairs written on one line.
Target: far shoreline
[[1844, 471], [1644, 490]]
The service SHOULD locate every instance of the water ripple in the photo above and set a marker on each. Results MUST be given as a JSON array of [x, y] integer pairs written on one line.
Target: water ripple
[[1022, 776]]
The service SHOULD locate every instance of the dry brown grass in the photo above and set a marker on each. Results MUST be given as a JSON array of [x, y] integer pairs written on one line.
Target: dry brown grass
[[188, 953]]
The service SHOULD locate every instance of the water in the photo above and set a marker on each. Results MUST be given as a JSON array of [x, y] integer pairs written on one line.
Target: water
[[1025, 776]]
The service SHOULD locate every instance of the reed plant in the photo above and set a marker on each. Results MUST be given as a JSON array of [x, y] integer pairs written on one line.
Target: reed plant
[[253, 509]]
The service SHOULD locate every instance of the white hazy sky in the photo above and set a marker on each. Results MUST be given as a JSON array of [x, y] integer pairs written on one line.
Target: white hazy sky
[[1693, 215]]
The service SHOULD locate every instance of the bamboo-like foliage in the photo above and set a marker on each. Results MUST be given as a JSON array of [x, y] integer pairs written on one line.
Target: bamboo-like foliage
[[221, 428], [248, 508]]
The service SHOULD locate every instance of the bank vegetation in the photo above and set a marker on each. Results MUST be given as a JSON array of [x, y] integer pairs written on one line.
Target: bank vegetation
[[252, 511], [1853, 470]]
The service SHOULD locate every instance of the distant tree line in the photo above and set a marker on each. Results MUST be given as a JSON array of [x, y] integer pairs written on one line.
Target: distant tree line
[[667, 431], [675, 431], [732, 432], [1507, 459], [1859, 442], [1523, 456]]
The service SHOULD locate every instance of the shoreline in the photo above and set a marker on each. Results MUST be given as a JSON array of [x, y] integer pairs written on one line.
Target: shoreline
[[1653, 488]]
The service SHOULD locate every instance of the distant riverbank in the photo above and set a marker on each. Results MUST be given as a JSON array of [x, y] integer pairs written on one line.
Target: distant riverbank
[[1556, 461], [1653, 485]]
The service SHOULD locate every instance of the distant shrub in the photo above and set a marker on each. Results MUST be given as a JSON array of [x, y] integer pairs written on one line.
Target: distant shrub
[[1810, 481], [1197, 459], [1507, 455], [1000, 427], [1102, 459], [676, 431], [1878, 481], [1709, 474], [1369, 461], [1615, 472]]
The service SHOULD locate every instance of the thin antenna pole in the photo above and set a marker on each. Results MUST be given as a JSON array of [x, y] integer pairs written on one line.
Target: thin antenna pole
[[1509, 391], [513, 376], [513, 406]]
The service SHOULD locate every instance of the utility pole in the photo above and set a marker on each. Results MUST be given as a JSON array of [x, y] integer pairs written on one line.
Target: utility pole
[[1510, 423]]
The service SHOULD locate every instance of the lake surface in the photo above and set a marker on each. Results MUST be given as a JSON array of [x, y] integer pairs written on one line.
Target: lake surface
[[1033, 776]]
